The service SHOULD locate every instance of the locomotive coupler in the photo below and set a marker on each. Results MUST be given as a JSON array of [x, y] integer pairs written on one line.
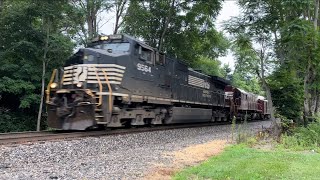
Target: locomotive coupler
[[72, 109]]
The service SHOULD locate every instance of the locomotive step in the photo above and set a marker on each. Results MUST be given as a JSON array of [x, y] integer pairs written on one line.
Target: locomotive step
[[102, 123]]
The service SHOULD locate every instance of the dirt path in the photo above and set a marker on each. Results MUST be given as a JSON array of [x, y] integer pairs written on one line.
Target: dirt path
[[189, 156]]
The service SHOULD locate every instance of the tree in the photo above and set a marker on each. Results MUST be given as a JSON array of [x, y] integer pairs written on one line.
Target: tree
[[86, 15], [120, 9], [290, 30], [184, 29], [255, 59], [287, 92], [27, 52], [1, 5], [245, 81], [209, 66]]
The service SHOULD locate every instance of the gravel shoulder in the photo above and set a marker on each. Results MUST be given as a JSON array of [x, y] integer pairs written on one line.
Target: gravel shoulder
[[129, 156]]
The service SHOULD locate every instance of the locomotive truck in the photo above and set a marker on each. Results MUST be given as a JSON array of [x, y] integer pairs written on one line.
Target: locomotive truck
[[120, 81]]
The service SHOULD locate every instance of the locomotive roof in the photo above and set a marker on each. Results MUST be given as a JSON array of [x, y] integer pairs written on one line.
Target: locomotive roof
[[190, 69], [252, 94], [221, 80], [122, 36]]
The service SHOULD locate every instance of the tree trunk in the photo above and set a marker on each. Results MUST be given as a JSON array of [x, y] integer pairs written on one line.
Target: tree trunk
[[1, 5], [120, 4], [316, 109], [46, 47], [315, 101], [310, 73], [92, 18], [166, 24], [316, 14], [89, 20], [275, 126], [42, 95], [306, 111]]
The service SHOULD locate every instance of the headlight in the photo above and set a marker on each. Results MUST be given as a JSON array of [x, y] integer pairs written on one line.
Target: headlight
[[103, 38], [53, 85], [79, 84]]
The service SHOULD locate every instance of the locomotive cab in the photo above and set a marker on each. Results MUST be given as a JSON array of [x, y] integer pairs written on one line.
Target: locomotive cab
[[74, 94], [95, 79]]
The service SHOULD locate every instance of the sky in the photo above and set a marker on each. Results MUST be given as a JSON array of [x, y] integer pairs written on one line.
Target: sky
[[229, 9]]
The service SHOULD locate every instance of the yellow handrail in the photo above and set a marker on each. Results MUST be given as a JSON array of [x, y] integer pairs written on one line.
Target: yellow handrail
[[62, 79], [50, 82], [110, 90], [100, 88]]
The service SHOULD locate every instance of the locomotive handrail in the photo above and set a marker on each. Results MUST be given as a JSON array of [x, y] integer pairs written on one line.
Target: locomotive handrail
[[100, 88], [62, 79], [110, 89], [50, 82]]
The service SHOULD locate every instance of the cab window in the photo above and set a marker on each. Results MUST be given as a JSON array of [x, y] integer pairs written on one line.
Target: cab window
[[160, 59], [117, 48], [146, 55]]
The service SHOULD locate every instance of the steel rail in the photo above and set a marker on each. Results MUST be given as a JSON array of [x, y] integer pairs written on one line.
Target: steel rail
[[34, 136]]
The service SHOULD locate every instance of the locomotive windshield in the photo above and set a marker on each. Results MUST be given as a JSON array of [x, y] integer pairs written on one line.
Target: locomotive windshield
[[115, 47]]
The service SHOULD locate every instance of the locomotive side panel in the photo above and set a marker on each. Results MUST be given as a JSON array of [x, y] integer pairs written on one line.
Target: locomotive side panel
[[193, 87], [119, 81]]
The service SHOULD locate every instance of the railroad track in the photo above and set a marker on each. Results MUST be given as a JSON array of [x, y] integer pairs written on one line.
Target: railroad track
[[26, 137], [34, 136]]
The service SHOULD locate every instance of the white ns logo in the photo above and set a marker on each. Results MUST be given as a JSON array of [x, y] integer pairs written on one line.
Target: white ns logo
[[144, 68]]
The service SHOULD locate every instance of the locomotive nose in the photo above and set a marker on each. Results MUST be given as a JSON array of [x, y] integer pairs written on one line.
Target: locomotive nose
[[71, 110]]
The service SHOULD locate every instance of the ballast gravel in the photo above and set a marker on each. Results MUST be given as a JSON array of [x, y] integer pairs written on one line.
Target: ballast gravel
[[109, 157]]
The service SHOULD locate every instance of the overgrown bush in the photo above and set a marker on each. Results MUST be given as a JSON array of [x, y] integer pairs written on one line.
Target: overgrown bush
[[287, 125], [16, 122], [303, 138], [287, 92], [240, 133]]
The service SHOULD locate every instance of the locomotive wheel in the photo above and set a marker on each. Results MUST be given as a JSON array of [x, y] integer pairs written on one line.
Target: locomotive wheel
[[213, 119], [156, 120], [138, 121], [115, 121]]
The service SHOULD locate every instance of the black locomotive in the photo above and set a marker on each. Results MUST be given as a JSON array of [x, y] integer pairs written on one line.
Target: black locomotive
[[120, 81]]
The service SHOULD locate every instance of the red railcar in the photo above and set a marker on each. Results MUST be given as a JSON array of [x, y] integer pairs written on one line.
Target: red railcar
[[244, 103]]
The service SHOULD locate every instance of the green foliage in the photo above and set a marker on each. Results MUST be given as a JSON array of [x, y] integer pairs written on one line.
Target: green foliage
[[208, 66], [17, 122], [183, 29], [281, 37], [240, 133], [303, 138], [226, 71], [247, 83], [287, 125], [243, 134], [240, 162], [22, 37], [82, 18], [287, 91], [233, 127]]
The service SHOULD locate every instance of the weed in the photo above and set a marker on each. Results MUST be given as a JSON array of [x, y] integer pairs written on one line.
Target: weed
[[303, 138], [233, 127]]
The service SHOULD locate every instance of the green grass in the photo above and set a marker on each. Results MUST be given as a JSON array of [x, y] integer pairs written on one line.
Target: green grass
[[240, 162]]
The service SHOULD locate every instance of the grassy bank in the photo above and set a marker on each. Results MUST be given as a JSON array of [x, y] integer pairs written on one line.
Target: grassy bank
[[241, 162]]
